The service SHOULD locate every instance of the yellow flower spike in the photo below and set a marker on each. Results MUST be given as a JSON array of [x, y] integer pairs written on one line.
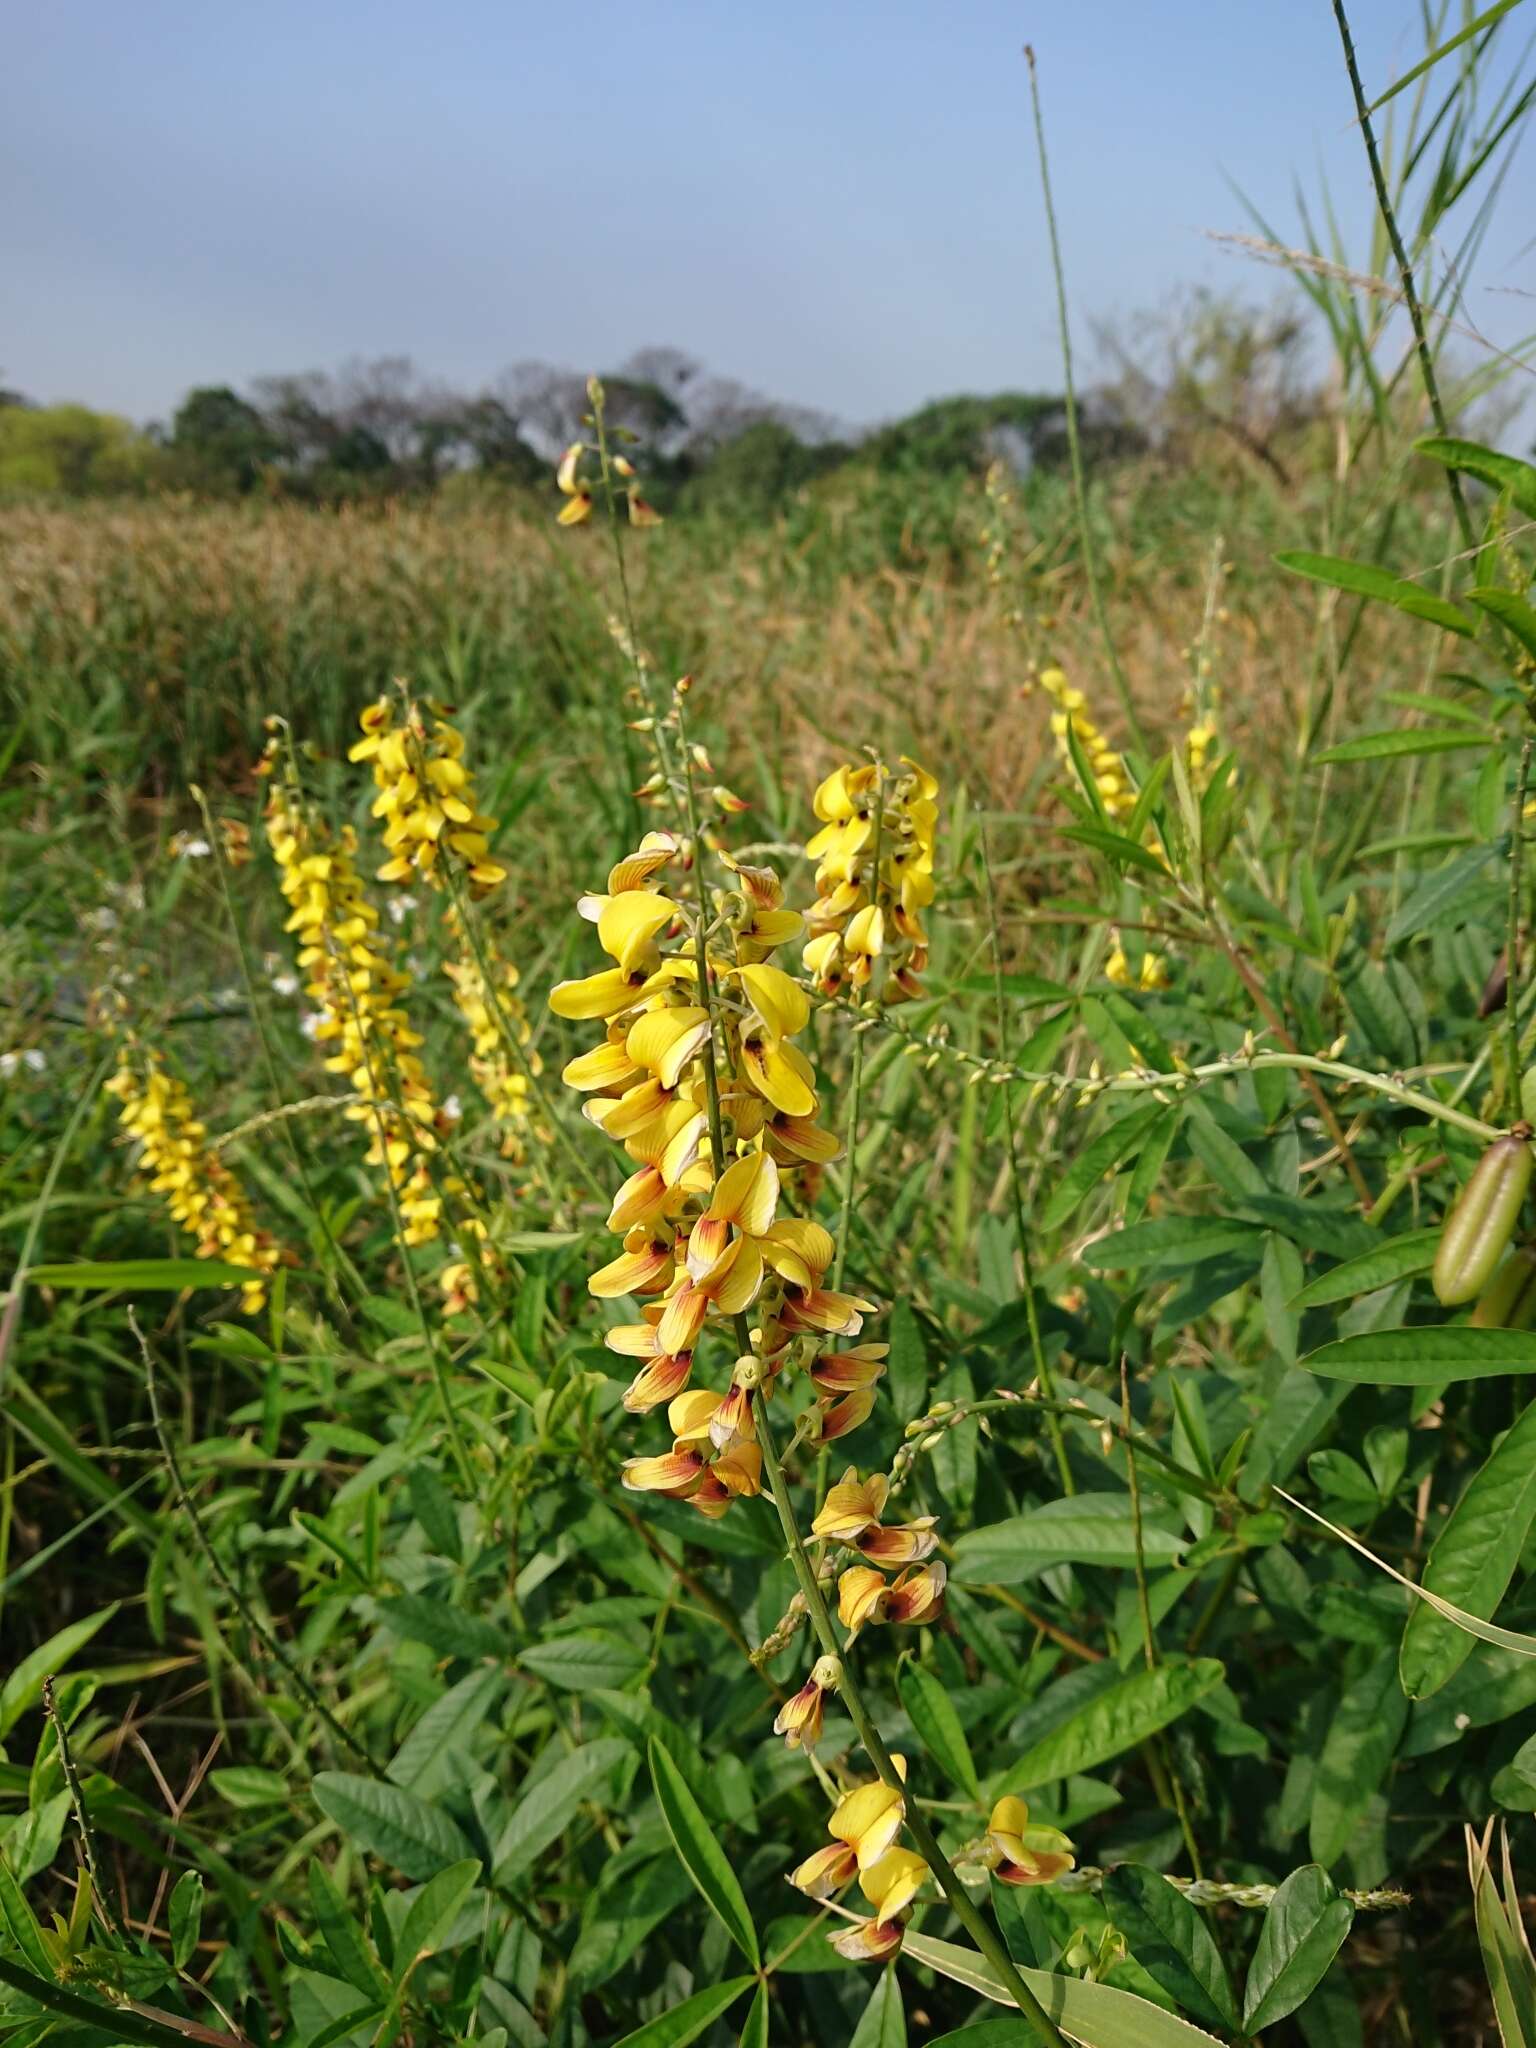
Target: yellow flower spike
[[201, 1192], [1020, 1854], [874, 876]]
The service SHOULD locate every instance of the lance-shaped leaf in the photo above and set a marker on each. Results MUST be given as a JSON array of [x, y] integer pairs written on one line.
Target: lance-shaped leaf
[[1171, 1941], [703, 1858], [1302, 1933]]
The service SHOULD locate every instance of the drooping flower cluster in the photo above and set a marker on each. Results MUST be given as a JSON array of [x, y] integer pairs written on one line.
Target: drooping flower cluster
[[1071, 715], [202, 1193], [874, 879], [489, 1012], [865, 1827], [426, 800], [358, 989], [704, 1242], [850, 1516]]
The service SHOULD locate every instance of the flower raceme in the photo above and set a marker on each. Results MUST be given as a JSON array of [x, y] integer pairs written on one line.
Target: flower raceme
[[358, 989], [201, 1192], [575, 482], [1071, 716], [426, 801], [865, 1826], [703, 1240], [874, 879], [505, 1088]]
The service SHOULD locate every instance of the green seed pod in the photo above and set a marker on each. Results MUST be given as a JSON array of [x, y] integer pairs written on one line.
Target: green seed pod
[[1483, 1218], [1509, 1300]]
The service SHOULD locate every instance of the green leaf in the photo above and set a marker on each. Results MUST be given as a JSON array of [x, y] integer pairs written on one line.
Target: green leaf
[[24, 1685], [20, 1923], [422, 1758], [1115, 1721], [1022, 988], [1081, 1528], [1403, 742], [703, 1858], [1424, 1357], [421, 1618], [404, 1831], [907, 1367], [1461, 882], [248, 1785], [1127, 853], [1414, 1252], [147, 1275], [1512, 613], [585, 1663], [185, 1917], [434, 1507], [932, 1713], [549, 1806], [755, 2032], [1173, 1241], [1171, 1941], [1499, 472], [687, 2021], [345, 1942], [1364, 579], [1473, 28], [1506, 1949], [1097, 2015], [1362, 1737], [1473, 1559], [1094, 1161], [432, 1913], [883, 2022], [1303, 1931]]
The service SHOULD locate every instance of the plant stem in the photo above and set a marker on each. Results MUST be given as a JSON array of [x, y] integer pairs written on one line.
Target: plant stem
[[1074, 442], [1015, 1188], [1035, 2016], [1404, 268], [1512, 941]]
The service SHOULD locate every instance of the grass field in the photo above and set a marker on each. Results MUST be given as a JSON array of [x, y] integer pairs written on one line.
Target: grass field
[[1148, 1089]]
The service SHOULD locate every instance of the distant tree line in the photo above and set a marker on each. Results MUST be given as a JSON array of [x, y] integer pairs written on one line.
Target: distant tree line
[[381, 428], [1208, 379]]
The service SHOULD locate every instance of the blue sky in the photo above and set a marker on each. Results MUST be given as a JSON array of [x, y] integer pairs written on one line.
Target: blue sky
[[836, 202]]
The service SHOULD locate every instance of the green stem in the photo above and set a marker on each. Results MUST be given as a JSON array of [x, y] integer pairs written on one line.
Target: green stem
[[509, 1039], [1074, 441], [1035, 2016], [1404, 268], [121, 2023], [1015, 1186], [1512, 941]]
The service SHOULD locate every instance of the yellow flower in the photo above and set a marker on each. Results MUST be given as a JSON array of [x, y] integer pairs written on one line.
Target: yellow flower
[[426, 801], [358, 990], [1151, 974], [504, 1086], [864, 1596], [874, 878], [890, 1885], [799, 1719], [704, 1242], [201, 1192], [1020, 1854], [1105, 765]]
